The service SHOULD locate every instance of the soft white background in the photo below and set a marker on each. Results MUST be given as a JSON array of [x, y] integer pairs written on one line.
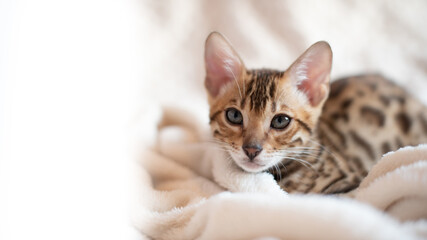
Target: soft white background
[[75, 77], [70, 73]]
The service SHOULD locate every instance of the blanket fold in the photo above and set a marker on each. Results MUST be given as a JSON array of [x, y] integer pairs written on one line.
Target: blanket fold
[[179, 203]]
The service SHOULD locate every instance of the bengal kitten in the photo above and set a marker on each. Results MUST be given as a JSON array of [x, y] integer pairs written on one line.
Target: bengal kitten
[[311, 136]]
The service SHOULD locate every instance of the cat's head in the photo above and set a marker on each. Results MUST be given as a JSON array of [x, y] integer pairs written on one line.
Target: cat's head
[[260, 116]]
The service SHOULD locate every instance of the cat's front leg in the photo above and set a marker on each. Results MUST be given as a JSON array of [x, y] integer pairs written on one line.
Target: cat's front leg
[[227, 174]]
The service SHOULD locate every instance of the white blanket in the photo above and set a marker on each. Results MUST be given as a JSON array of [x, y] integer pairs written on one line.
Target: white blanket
[[175, 202], [178, 203]]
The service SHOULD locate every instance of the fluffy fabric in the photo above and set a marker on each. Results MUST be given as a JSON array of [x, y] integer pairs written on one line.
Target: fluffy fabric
[[178, 203], [366, 36], [398, 184]]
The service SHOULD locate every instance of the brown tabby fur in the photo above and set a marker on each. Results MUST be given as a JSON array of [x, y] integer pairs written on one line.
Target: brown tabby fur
[[363, 118]]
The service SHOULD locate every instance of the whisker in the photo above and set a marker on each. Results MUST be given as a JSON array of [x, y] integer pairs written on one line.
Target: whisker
[[320, 145], [294, 153], [303, 162], [278, 170], [283, 165], [324, 148], [297, 148], [300, 155], [279, 166]]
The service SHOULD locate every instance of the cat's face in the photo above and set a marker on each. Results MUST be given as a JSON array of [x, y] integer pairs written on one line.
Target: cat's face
[[260, 117]]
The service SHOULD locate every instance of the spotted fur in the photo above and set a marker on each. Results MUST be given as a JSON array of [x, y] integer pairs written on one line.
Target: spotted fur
[[336, 132], [350, 146]]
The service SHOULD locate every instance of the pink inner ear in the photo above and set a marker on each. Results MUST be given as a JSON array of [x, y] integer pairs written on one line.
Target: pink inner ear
[[219, 72], [315, 90], [311, 72], [222, 64]]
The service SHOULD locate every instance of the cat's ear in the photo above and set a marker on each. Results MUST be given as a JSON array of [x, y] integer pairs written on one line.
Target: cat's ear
[[222, 63], [311, 72]]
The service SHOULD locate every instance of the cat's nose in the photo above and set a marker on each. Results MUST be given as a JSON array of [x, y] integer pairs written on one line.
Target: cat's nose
[[252, 150]]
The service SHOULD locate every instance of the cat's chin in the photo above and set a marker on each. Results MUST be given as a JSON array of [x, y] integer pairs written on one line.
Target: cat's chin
[[252, 167]]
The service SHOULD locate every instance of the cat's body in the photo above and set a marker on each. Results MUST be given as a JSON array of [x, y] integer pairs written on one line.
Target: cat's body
[[312, 137], [363, 118]]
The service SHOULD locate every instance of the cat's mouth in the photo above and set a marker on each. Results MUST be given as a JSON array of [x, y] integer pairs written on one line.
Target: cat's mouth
[[255, 165]]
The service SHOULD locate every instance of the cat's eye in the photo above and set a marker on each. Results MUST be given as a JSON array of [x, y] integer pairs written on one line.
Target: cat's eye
[[234, 116], [280, 121]]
